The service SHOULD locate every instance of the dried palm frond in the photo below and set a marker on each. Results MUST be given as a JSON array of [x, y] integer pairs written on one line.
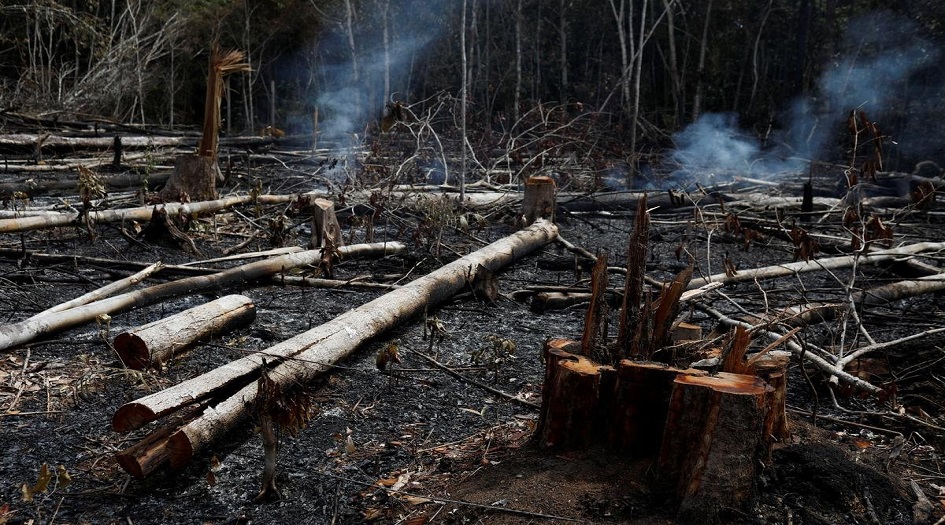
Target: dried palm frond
[[221, 64]]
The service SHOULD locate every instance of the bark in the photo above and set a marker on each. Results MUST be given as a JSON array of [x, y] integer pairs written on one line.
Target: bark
[[25, 331], [305, 356], [641, 401], [153, 344], [142, 213], [538, 201], [571, 416], [772, 369], [194, 178], [325, 228], [713, 442]]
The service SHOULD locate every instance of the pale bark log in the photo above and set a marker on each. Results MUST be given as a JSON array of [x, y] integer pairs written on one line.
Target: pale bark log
[[314, 352], [142, 213], [105, 291], [21, 141], [828, 263], [153, 344], [19, 333]]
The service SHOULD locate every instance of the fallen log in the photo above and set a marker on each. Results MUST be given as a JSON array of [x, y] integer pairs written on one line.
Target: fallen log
[[828, 263], [28, 143], [153, 344], [142, 213], [22, 332], [305, 356], [105, 291]]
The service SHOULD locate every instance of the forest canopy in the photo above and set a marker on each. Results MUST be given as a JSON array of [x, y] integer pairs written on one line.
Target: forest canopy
[[776, 78]]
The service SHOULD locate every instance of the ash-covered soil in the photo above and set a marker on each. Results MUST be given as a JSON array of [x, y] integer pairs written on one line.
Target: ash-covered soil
[[416, 445]]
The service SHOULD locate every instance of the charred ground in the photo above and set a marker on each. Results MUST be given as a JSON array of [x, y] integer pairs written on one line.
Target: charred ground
[[417, 444]]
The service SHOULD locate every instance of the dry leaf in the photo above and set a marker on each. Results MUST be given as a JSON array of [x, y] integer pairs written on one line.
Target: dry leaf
[[415, 500], [63, 479], [371, 514]]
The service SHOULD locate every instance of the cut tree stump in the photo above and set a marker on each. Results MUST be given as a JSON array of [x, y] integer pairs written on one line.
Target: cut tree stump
[[324, 225], [153, 344], [772, 368], [539, 199], [194, 179], [713, 443], [572, 415], [641, 402]]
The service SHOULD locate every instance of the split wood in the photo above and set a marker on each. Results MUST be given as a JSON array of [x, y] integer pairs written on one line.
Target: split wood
[[22, 332], [300, 359]]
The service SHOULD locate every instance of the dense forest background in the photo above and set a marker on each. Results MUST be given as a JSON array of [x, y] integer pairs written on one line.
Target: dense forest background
[[731, 81]]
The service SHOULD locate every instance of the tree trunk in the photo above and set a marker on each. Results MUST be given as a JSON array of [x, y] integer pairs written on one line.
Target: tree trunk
[[325, 227], [194, 179], [25, 331], [700, 69], [143, 213], [713, 442], [571, 416], [307, 355], [151, 345], [538, 201], [641, 402]]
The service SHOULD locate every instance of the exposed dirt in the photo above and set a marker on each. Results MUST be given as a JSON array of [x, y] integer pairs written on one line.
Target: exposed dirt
[[419, 446]]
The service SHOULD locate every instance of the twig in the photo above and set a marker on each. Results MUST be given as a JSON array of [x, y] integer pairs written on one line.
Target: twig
[[473, 382], [845, 360], [818, 361]]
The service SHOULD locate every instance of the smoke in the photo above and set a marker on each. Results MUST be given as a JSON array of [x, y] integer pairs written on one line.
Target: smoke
[[879, 70], [714, 141], [351, 90]]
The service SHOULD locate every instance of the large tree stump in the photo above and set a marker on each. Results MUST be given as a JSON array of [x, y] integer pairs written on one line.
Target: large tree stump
[[641, 401], [713, 443], [194, 179], [153, 344]]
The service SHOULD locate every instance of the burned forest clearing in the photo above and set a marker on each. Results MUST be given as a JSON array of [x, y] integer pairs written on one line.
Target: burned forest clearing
[[334, 339]]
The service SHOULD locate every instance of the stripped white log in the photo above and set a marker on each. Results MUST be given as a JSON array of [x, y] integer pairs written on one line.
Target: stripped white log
[[142, 213], [25, 331], [105, 291], [153, 344], [813, 265]]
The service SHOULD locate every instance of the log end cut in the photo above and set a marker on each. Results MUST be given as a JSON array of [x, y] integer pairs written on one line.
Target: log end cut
[[133, 351], [132, 416]]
